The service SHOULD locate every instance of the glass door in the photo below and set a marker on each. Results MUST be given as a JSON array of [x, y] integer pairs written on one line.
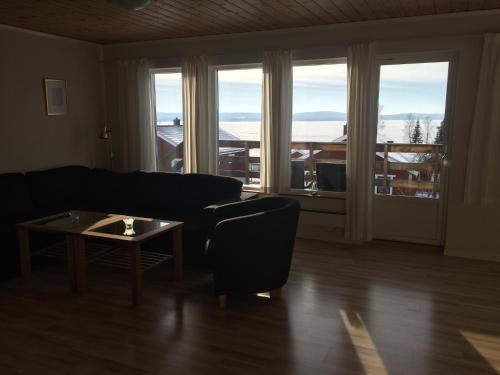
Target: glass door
[[411, 144]]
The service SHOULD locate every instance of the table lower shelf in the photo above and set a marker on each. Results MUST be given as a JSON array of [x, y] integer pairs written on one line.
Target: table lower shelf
[[109, 255]]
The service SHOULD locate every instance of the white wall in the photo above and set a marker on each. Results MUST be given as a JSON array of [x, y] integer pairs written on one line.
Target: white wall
[[459, 33], [29, 139], [473, 232]]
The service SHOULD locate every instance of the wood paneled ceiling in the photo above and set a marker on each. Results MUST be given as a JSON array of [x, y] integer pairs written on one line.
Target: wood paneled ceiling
[[104, 22]]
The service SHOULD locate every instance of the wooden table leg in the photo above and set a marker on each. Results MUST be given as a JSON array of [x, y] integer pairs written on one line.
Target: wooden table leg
[[70, 251], [80, 263], [135, 271], [177, 252], [24, 254]]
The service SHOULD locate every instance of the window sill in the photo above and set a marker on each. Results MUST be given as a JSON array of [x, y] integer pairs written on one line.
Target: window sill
[[316, 194], [302, 193], [251, 189]]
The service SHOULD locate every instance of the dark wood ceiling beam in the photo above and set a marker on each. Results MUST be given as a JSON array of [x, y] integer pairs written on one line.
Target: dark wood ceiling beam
[[392, 8], [427, 7], [443, 6], [102, 21], [202, 22], [475, 4], [204, 13], [239, 13], [316, 10], [332, 9], [347, 9], [264, 8], [228, 17], [123, 24], [410, 8], [259, 10], [491, 4], [297, 12], [460, 5], [246, 10], [365, 10]]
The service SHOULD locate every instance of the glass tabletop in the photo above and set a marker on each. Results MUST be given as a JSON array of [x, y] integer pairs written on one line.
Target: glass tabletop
[[130, 227], [73, 220]]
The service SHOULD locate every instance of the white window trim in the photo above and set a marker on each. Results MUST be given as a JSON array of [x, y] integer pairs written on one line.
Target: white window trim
[[213, 106], [152, 73], [420, 58], [309, 192]]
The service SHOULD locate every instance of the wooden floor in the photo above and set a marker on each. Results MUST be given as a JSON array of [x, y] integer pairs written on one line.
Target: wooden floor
[[378, 309]]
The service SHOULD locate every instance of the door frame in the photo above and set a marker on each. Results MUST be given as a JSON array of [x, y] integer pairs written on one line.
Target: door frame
[[451, 57]]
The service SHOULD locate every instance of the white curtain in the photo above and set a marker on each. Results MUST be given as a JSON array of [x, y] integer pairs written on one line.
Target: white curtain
[[362, 121], [482, 184], [199, 140], [276, 121], [136, 133]]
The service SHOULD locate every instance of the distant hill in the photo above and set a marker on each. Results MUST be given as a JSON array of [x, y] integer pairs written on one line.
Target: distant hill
[[303, 116], [417, 116], [239, 116], [320, 116]]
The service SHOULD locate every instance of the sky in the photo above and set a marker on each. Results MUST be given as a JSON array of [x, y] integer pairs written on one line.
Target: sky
[[413, 88], [406, 88]]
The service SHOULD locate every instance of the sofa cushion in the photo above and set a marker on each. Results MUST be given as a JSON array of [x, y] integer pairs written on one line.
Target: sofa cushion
[[159, 191], [109, 191], [201, 190], [58, 189]]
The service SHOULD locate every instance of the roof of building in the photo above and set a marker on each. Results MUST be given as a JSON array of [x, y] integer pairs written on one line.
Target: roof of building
[[174, 135]]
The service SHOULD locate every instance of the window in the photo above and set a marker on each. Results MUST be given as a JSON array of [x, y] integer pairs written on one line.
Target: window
[[319, 129], [410, 129], [239, 114], [167, 86]]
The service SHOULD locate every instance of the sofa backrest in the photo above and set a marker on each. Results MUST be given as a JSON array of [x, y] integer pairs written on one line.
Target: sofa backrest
[[134, 193], [15, 199], [58, 189], [201, 190]]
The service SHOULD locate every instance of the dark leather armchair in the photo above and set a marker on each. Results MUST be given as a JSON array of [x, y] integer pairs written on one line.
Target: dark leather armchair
[[251, 244]]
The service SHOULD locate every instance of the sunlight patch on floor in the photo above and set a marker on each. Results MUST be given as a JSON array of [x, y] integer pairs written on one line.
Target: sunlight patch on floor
[[264, 295], [363, 344], [488, 346]]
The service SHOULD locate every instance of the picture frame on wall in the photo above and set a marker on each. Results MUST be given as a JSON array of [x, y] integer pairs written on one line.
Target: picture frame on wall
[[56, 102]]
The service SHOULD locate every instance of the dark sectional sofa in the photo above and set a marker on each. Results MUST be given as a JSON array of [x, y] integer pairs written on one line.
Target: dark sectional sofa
[[158, 195]]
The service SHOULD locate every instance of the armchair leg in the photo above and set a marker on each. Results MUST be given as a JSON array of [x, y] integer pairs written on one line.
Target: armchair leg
[[275, 294], [222, 301]]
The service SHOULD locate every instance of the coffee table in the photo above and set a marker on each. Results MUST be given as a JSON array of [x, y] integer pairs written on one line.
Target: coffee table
[[130, 231]]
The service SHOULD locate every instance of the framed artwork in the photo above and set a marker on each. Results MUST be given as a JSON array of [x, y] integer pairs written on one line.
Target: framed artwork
[[56, 102]]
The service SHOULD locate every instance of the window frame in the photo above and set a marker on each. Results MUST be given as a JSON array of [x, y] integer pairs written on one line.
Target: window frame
[[152, 72], [214, 104], [423, 57], [318, 193]]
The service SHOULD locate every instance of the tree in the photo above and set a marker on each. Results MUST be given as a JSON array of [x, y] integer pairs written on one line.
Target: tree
[[410, 125], [428, 128], [416, 136], [439, 139]]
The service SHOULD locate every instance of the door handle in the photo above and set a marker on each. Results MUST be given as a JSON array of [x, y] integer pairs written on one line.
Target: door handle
[[445, 160]]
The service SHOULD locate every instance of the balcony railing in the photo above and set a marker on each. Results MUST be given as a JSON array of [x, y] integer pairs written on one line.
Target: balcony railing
[[401, 169]]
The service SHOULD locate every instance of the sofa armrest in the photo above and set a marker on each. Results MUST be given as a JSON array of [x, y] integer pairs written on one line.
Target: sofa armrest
[[214, 214], [252, 253]]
